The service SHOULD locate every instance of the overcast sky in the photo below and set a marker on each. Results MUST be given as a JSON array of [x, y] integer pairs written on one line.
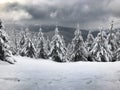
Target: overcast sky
[[88, 13]]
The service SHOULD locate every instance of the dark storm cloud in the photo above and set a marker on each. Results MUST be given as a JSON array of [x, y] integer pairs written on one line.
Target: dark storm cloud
[[81, 11]]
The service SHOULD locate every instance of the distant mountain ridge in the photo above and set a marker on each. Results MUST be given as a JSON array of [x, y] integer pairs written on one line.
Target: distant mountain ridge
[[67, 32], [48, 30]]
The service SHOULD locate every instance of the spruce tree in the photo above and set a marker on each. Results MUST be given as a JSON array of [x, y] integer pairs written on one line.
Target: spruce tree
[[112, 39], [79, 52], [22, 43], [5, 53], [89, 44], [41, 49], [29, 49], [58, 49], [89, 41], [100, 51]]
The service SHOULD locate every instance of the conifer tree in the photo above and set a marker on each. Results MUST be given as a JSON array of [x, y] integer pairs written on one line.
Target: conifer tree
[[89, 41], [79, 52], [58, 49], [29, 49], [89, 44], [100, 51], [41, 50], [112, 39], [22, 43], [5, 53]]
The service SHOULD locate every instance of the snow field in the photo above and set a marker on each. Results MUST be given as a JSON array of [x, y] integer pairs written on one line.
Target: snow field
[[41, 74]]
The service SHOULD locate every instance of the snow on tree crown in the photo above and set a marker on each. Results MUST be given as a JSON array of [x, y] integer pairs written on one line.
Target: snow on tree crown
[[77, 32], [56, 31], [90, 36], [40, 32]]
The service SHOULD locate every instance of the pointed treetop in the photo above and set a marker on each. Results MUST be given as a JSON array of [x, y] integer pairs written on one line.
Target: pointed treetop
[[27, 34], [56, 30], [40, 30], [90, 36], [77, 32], [101, 30], [103, 33]]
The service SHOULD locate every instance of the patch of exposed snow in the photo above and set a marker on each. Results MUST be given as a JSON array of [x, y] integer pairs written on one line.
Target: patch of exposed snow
[[30, 74]]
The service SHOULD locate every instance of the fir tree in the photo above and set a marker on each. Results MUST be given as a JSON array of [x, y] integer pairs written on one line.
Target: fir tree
[[89, 44], [100, 51], [5, 53], [58, 49], [29, 49], [22, 43], [79, 52], [41, 53], [89, 41], [112, 39]]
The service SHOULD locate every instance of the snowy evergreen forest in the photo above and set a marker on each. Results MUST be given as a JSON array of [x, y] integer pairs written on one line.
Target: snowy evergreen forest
[[103, 48]]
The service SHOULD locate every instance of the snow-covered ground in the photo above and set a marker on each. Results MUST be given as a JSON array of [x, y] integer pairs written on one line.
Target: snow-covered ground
[[29, 74]]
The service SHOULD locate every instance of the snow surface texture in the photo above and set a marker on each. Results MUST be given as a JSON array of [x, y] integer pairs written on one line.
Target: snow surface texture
[[29, 74]]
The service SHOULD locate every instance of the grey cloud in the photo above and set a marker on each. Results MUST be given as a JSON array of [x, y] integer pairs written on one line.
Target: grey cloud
[[81, 11]]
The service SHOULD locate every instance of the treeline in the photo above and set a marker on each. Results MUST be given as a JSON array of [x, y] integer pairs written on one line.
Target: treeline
[[103, 48]]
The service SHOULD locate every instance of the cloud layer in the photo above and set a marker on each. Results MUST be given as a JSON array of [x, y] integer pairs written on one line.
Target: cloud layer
[[89, 13]]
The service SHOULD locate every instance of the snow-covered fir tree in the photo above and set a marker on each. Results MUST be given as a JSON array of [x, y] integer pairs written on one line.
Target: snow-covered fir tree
[[29, 49], [79, 52], [112, 43], [5, 53], [41, 49], [27, 33], [100, 51], [89, 44], [26, 46], [22, 43], [89, 41], [58, 49]]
